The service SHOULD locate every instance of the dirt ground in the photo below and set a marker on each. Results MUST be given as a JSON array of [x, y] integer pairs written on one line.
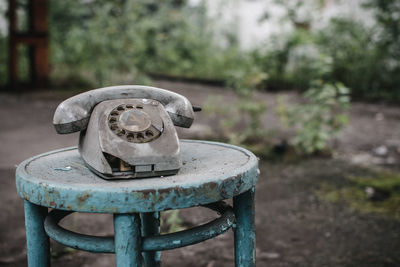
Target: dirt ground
[[294, 227]]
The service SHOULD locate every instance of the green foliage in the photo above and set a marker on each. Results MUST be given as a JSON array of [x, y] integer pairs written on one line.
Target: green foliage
[[107, 42], [23, 63], [320, 118], [293, 61], [386, 181], [56, 254], [363, 57], [4, 60], [240, 121], [358, 60], [387, 15], [114, 41], [357, 193], [98, 40], [245, 78], [171, 221]]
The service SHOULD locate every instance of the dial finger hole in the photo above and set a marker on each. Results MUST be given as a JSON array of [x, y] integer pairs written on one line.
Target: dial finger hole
[[140, 136], [130, 136], [149, 134], [114, 113], [121, 132], [120, 108], [113, 127], [112, 119], [129, 106]]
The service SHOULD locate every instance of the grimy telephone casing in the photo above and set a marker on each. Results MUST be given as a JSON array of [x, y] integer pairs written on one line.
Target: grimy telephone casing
[[127, 131]]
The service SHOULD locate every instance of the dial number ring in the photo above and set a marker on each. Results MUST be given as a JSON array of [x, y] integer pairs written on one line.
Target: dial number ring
[[132, 124]]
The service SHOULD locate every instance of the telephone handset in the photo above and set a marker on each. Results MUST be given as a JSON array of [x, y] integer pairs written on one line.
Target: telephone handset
[[127, 131]]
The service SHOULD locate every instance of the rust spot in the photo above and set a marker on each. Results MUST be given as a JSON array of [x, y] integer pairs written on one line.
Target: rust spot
[[211, 185], [83, 197], [223, 193], [233, 186], [238, 187], [53, 204]]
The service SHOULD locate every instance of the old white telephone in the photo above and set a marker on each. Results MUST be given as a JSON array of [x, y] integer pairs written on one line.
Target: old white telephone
[[127, 131]]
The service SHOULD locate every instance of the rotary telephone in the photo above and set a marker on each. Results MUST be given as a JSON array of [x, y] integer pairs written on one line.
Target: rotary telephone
[[127, 131]]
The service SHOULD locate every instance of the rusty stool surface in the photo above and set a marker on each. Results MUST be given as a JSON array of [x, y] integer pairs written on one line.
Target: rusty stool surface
[[211, 172]]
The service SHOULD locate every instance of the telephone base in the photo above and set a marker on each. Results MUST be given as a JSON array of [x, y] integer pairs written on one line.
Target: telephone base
[[132, 175]]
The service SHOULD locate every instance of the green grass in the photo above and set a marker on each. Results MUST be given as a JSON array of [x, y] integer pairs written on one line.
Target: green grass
[[355, 193]]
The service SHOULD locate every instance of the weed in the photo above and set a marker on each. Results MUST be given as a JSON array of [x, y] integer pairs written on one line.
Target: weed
[[320, 118], [240, 121]]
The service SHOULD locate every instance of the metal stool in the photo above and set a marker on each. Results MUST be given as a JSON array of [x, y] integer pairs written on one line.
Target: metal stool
[[211, 172]]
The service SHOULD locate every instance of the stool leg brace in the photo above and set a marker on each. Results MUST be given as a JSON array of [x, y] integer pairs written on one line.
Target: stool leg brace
[[130, 228]]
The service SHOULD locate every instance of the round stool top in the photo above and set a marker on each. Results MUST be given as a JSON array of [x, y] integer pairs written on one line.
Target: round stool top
[[211, 172]]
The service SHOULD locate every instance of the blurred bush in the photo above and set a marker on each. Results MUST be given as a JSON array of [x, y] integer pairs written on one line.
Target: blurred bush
[[240, 121], [365, 58], [124, 40], [106, 41], [320, 119], [361, 60]]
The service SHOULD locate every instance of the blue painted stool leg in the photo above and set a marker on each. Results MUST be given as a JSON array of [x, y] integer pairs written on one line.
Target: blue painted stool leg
[[151, 227], [245, 236], [127, 240], [37, 241]]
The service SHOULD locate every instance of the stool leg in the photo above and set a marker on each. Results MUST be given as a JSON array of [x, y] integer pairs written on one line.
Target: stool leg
[[245, 237], [127, 240], [151, 227], [37, 241]]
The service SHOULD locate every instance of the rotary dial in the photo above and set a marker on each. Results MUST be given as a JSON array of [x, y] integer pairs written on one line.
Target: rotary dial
[[133, 124]]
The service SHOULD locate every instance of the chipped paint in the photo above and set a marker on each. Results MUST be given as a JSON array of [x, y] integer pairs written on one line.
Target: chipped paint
[[68, 168], [198, 182], [149, 243], [245, 237], [36, 239], [218, 172]]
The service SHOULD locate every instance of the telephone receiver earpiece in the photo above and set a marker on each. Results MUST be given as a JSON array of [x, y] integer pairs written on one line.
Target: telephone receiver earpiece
[[73, 114]]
